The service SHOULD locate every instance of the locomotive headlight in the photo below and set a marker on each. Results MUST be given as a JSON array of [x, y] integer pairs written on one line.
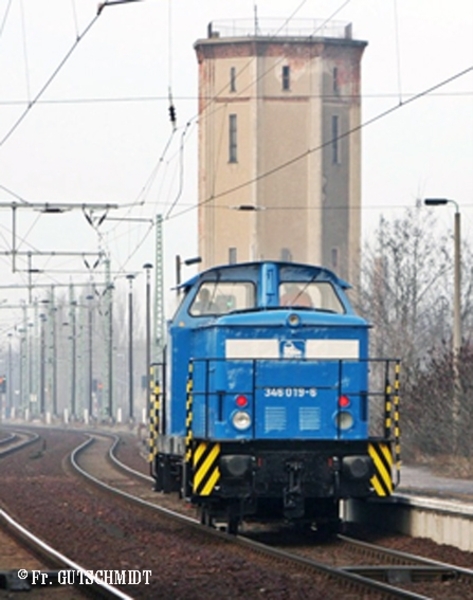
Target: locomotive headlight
[[241, 420], [293, 320], [344, 420]]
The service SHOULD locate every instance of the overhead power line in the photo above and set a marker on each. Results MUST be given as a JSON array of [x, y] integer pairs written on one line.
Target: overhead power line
[[48, 81], [102, 5], [347, 133], [5, 16], [124, 99]]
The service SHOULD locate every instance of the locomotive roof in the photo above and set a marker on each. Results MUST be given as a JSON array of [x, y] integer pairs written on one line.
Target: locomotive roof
[[306, 271]]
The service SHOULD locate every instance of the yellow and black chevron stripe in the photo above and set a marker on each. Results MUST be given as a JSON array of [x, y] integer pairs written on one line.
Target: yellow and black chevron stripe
[[387, 411], [397, 429], [189, 414], [154, 423], [382, 457], [206, 473]]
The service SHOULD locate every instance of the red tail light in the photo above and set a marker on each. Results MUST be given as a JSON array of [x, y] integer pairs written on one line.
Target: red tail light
[[344, 401], [241, 401]]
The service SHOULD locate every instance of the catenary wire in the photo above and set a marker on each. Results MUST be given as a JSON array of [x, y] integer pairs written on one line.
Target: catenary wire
[[5, 16], [125, 99], [398, 50], [193, 119], [347, 133], [74, 16], [14, 194], [50, 78], [25, 51], [181, 172], [166, 99]]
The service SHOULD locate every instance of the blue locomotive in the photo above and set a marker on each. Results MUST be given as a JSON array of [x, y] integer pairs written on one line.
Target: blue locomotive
[[266, 407]]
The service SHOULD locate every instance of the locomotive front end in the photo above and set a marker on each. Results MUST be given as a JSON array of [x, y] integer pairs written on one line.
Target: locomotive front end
[[280, 417], [278, 398]]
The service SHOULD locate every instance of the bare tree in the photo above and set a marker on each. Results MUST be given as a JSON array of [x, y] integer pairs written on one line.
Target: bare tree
[[403, 277], [403, 293]]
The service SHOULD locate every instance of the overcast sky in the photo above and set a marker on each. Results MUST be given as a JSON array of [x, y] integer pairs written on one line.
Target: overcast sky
[[100, 131]]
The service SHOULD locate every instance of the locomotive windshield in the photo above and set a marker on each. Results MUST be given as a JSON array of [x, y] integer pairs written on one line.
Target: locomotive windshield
[[221, 297], [315, 294]]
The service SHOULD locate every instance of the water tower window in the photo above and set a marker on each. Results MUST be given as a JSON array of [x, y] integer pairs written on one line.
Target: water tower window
[[335, 88], [335, 141], [232, 139], [286, 255], [286, 78], [334, 258], [233, 79]]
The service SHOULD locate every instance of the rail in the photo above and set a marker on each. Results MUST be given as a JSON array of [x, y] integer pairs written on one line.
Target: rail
[[338, 574], [100, 588]]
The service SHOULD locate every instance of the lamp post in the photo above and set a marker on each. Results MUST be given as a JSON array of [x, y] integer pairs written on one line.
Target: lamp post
[[130, 347], [110, 352], [54, 359], [29, 366], [73, 360], [42, 373], [22, 371], [457, 338], [9, 379], [90, 356], [147, 268]]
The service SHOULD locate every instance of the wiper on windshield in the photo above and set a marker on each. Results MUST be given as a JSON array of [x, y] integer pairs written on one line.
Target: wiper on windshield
[[301, 294]]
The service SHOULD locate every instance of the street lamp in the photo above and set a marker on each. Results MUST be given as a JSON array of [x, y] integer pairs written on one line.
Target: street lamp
[[457, 338]]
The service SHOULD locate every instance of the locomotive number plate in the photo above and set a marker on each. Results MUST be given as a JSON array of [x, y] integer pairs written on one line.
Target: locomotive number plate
[[289, 392]]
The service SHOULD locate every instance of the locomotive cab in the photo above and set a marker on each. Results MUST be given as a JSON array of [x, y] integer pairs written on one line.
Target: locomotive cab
[[267, 411]]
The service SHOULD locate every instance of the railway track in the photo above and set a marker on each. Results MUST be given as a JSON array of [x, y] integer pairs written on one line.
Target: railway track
[[402, 567], [191, 561], [396, 568], [388, 572], [34, 566], [99, 531], [15, 440], [15, 555], [28, 563]]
